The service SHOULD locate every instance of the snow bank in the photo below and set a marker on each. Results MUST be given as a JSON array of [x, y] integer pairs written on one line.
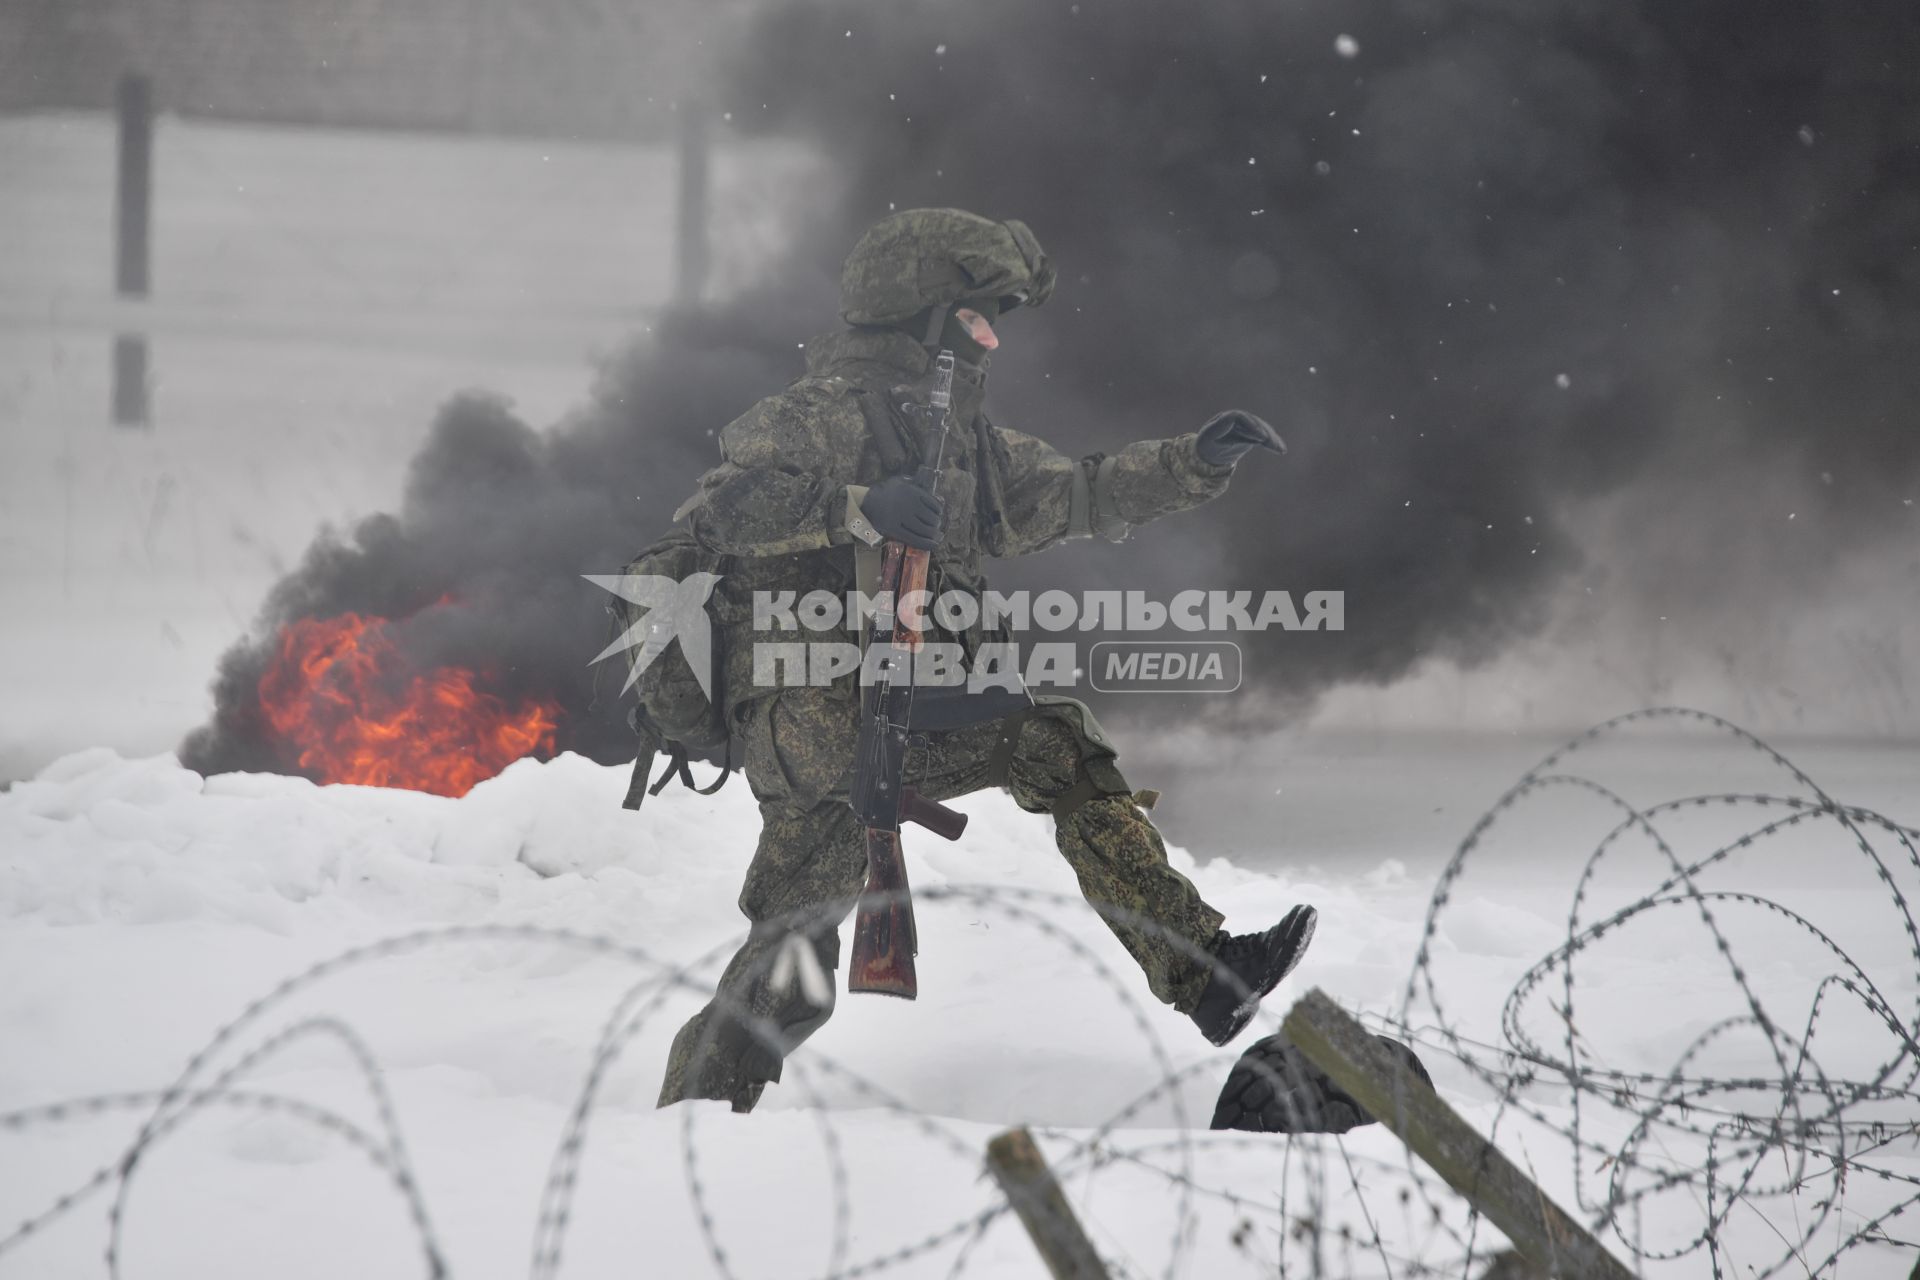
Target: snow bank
[[142, 907]]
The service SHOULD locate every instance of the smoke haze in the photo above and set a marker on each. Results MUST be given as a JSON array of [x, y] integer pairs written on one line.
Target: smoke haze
[[1542, 295]]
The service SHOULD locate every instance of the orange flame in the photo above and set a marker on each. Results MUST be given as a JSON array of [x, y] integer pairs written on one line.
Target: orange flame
[[332, 695]]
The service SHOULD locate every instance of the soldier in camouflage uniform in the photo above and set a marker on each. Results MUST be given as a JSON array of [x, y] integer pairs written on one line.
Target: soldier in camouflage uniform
[[809, 480]]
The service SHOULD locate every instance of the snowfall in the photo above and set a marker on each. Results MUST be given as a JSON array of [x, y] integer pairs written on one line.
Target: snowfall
[[443, 972]]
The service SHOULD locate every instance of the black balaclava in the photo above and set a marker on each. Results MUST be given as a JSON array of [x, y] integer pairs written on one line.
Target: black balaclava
[[953, 335]]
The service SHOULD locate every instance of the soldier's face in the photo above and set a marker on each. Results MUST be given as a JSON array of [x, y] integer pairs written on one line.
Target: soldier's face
[[978, 327]]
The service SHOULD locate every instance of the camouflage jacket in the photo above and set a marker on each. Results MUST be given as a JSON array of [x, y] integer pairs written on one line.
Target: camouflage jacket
[[795, 466]]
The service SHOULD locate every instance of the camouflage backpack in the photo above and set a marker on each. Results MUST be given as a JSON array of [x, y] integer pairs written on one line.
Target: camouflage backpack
[[658, 610]]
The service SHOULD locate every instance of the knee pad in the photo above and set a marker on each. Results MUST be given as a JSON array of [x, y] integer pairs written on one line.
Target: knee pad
[[1096, 772]]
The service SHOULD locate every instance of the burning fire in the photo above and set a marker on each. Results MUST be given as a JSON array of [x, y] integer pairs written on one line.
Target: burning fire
[[331, 693]]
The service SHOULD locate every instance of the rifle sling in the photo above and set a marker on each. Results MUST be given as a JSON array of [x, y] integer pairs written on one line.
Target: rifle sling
[[889, 442], [637, 784], [1083, 790], [1000, 761], [677, 767]]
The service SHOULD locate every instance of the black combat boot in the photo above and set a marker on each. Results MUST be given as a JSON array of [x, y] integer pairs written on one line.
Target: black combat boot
[[1246, 966], [1274, 1088]]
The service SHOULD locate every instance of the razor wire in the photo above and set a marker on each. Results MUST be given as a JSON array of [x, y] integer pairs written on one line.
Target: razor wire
[[1773, 1147]]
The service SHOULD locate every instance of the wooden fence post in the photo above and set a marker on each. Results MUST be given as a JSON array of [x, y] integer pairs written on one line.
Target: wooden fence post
[[1540, 1230], [693, 256], [1017, 1165], [133, 244]]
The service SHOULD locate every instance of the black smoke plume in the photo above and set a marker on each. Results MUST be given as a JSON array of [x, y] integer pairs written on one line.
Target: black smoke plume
[[1481, 262]]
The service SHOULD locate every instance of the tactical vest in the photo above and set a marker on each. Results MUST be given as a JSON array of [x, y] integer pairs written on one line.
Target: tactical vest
[[896, 425], [672, 713]]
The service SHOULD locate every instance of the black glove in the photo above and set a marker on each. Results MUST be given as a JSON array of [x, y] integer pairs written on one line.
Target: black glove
[[1228, 437], [902, 510]]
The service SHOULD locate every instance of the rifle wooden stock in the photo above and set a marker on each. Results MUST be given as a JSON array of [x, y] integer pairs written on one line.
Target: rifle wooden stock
[[884, 942], [903, 570]]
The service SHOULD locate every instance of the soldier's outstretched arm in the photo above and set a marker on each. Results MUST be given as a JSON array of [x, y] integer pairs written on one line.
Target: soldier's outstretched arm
[[1050, 497], [782, 485]]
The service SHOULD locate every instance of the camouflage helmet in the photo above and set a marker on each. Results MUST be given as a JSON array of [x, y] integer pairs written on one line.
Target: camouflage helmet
[[920, 258]]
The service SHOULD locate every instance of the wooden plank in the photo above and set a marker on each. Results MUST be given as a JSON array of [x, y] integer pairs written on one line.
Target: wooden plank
[[133, 201], [131, 406], [692, 214], [133, 242], [1017, 1165], [1542, 1232]]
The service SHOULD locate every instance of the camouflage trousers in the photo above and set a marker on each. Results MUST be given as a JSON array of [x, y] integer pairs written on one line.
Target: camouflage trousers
[[811, 863]]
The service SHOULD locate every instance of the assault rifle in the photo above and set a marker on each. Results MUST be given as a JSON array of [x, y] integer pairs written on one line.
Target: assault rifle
[[884, 942]]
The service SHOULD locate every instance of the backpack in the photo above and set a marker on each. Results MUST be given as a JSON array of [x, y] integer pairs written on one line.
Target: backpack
[[672, 712]]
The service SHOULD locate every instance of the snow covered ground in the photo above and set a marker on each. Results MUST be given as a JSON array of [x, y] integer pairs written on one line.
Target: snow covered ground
[[144, 907]]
